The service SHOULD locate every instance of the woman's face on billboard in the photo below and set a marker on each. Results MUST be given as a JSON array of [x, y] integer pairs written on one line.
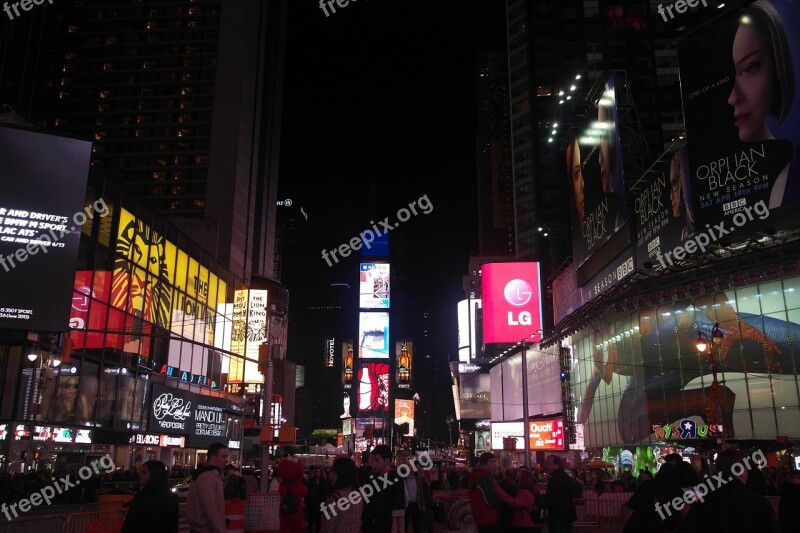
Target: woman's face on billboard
[[576, 179], [751, 96]]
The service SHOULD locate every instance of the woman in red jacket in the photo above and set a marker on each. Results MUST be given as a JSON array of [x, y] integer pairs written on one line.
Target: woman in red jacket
[[522, 504]]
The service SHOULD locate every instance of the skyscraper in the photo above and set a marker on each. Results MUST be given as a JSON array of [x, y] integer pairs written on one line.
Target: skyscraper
[[181, 100]]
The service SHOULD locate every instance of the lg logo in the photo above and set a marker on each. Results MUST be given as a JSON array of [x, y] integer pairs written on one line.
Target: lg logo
[[518, 292]]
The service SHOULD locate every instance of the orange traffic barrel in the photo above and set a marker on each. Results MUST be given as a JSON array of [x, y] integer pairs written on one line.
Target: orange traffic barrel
[[234, 516]]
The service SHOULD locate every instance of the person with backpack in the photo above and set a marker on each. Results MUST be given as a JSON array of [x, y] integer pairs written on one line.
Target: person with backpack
[[205, 504], [338, 518], [528, 508], [561, 490], [233, 485], [292, 491]]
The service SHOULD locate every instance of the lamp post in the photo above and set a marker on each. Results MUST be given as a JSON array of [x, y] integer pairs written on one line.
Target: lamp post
[[42, 375], [715, 392]]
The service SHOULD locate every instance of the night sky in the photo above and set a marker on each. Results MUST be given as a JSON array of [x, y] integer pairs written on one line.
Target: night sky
[[380, 109]]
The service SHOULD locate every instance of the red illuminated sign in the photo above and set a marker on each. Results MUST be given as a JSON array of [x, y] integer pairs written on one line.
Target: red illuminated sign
[[512, 307], [547, 434]]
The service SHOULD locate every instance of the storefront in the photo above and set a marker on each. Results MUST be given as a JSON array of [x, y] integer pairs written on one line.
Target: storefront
[[638, 377]]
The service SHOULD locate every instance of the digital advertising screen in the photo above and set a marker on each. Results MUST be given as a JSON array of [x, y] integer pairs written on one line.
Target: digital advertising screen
[[595, 177], [374, 286], [373, 335], [547, 434], [512, 307], [42, 191], [743, 70], [373, 387]]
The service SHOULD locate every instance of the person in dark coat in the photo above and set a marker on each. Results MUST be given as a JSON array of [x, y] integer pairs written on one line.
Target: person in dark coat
[[561, 489], [154, 509], [789, 508], [731, 506]]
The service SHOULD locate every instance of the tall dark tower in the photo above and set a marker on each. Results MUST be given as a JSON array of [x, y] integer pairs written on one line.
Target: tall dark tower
[[182, 101]]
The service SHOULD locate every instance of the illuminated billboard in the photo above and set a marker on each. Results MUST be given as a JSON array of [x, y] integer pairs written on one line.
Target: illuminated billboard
[[512, 307], [248, 332], [374, 286], [469, 330], [347, 364], [373, 335], [595, 178], [373, 387], [42, 191], [404, 414], [741, 70], [91, 290], [404, 350], [546, 434], [503, 430], [475, 395], [162, 285]]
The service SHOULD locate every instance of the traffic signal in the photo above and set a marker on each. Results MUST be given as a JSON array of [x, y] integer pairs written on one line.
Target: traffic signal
[[36, 455], [23, 455], [263, 358]]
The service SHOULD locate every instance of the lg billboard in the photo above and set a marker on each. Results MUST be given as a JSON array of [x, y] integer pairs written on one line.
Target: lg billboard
[[512, 306]]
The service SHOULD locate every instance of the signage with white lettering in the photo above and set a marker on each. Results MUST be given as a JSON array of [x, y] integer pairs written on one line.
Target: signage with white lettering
[[202, 419]]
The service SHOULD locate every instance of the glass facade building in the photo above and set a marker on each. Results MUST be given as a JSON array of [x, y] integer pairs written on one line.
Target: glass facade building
[[149, 307]]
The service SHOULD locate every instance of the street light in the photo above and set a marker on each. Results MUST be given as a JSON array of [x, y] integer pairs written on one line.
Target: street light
[[43, 374]]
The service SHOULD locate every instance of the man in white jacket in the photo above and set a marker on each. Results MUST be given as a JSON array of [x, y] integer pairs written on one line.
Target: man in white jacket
[[205, 505]]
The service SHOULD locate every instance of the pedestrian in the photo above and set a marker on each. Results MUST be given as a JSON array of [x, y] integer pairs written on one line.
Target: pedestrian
[[732, 506], [234, 486], [415, 498], [385, 512], [483, 498], [250, 481], [205, 504], [509, 485], [317, 492], [337, 518], [292, 492], [154, 508], [561, 490], [522, 504]]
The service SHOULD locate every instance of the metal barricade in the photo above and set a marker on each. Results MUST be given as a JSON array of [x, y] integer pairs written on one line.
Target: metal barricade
[[34, 524], [601, 515], [261, 512], [96, 521]]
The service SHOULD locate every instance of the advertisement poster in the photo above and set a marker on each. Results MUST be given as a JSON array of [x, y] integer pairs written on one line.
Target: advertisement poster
[[404, 350], [373, 335], [374, 286], [566, 294], [661, 212], [595, 178], [475, 396], [373, 387], [42, 188], [203, 419], [645, 370], [742, 70]]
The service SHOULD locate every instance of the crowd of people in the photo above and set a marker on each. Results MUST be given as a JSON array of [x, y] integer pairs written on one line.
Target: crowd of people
[[670, 501]]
